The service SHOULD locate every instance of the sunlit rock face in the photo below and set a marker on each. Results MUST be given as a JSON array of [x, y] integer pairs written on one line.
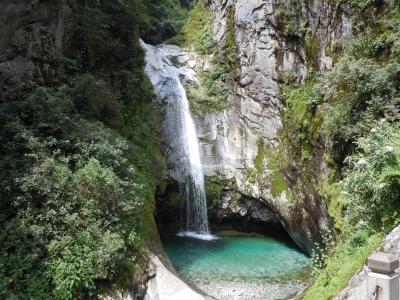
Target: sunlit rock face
[[267, 51]]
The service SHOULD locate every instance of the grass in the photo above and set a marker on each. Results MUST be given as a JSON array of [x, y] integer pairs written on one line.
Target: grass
[[347, 259]]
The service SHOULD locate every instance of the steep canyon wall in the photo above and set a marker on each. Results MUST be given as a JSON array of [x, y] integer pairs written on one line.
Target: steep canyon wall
[[273, 40]]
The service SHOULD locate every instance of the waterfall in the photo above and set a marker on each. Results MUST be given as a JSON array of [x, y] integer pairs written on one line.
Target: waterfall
[[180, 132]]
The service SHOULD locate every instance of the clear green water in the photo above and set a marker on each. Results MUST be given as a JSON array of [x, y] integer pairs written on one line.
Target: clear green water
[[248, 260], [251, 258]]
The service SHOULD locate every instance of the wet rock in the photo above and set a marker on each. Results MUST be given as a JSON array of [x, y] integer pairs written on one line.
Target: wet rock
[[166, 285], [242, 212]]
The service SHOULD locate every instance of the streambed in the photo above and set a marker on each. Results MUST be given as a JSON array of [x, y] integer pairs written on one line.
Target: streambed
[[238, 266]]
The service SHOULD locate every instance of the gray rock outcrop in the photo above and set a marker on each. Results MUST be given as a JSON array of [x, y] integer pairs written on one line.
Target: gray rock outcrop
[[166, 285], [273, 39], [236, 208], [31, 42]]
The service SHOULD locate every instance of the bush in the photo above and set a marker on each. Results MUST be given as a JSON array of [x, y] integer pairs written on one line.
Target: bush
[[371, 187], [361, 126], [211, 95], [198, 32], [71, 214], [95, 100], [77, 196]]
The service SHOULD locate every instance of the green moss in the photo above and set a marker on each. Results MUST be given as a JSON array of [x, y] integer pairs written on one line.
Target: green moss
[[206, 140], [312, 49], [149, 231], [276, 165], [230, 55], [210, 95], [278, 184], [260, 157], [197, 34], [175, 200], [299, 137], [242, 132], [302, 123], [331, 192]]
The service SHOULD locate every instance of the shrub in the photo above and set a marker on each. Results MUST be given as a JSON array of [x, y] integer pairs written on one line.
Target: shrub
[[198, 32], [71, 215], [371, 187], [210, 95]]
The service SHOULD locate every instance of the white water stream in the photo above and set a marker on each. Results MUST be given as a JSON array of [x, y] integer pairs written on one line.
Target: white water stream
[[180, 132]]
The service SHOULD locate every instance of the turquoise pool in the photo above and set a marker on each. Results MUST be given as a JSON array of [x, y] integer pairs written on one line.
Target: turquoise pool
[[239, 266]]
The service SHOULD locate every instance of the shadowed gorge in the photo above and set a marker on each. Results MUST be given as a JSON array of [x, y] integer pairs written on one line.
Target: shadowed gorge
[[198, 149]]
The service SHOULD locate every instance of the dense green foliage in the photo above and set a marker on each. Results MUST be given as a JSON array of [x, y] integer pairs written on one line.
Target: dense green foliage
[[367, 91], [214, 191], [369, 204], [215, 188], [197, 34], [371, 184], [72, 200], [80, 159], [360, 107], [343, 262]]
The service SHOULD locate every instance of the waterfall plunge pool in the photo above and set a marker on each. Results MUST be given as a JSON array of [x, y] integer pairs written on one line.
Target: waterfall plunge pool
[[239, 266]]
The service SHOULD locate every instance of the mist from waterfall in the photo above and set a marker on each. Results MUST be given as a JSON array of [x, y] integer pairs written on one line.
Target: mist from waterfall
[[180, 132]]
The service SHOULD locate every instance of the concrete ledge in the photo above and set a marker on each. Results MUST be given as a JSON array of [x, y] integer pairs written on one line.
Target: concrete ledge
[[383, 263]]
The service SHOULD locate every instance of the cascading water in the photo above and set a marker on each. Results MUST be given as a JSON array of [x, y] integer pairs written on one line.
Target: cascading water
[[180, 131]]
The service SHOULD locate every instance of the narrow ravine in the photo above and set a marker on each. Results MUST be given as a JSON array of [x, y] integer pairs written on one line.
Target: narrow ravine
[[199, 149], [230, 265]]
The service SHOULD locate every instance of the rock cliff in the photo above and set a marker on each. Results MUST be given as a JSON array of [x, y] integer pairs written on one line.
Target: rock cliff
[[272, 40], [31, 44]]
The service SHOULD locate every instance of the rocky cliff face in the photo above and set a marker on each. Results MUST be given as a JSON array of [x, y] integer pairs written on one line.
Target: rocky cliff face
[[273, 40], [31, 42]]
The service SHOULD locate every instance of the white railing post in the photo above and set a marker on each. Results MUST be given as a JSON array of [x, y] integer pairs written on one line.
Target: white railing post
[[383, 281]]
